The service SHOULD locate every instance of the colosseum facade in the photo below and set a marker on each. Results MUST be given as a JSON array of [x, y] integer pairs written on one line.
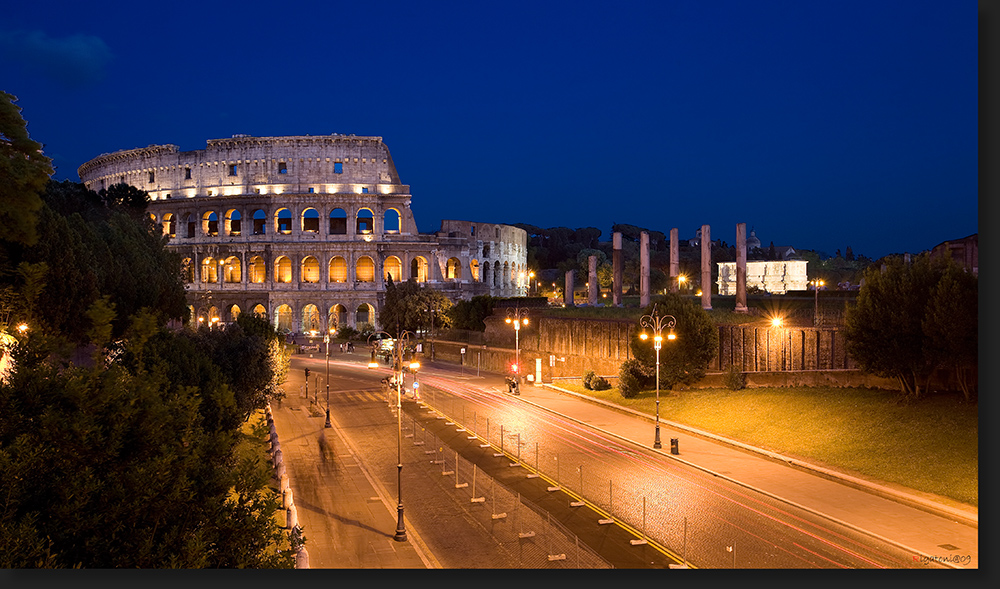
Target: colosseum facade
[[305, 229]]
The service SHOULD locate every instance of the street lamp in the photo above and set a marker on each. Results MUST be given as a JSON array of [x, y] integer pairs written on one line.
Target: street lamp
[[816, 286], [516, 317], [372, 363], [326, 340], [401, 340], [681, 279], [657, 322]]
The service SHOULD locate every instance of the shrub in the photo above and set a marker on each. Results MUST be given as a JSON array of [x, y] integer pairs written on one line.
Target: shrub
[[599, 383], [347, 333], [632, 378], [735, 380], [588, 379]]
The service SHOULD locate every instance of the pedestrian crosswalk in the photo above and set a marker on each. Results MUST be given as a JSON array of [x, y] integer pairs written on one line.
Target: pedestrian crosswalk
[[372, 395]]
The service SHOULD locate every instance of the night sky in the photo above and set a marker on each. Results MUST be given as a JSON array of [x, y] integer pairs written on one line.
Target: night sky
[[821, 125]]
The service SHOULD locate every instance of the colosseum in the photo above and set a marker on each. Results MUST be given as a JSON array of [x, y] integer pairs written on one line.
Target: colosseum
[[306, 230]]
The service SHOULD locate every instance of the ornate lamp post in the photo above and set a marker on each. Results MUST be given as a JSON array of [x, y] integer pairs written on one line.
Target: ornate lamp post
[[656, 323], [326, 340], [516, 317], [401, 340]]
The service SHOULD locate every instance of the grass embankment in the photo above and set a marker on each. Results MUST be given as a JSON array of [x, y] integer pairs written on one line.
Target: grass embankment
[[930, 445]]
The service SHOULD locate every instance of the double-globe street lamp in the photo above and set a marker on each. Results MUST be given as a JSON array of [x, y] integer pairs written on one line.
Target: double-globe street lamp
[[401, 340], [517, 317], [326, 340], [657, 323], [816, 284]]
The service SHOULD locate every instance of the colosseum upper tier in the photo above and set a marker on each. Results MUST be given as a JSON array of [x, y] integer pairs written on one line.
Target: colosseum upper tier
[[305, 229]]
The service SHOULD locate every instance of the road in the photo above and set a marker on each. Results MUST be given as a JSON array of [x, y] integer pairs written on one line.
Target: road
[[663, 512]]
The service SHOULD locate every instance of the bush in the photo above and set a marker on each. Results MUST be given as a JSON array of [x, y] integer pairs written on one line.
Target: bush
[[632, 378], [588, 379], [599, 383], [347, 333], [735, 380]]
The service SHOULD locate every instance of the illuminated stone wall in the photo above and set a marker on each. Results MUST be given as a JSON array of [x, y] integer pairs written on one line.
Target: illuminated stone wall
[[334, 223], [775, 277]]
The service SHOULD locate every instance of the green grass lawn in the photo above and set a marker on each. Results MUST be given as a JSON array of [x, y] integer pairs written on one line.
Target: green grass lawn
[[931, 445]]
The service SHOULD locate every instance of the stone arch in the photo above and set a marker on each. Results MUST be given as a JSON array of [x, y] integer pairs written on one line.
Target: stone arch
[[506, 275], [310, 220], [393, 268], [210, 224], [283, 221], [259, 222], [233, 222], [453, 269], [364, 314], [189, 224], [169, 225], [474, 270], [283, 318], [364, 269], [233, 312], [365, 222], [232, 270], [257, 269], [310, 269], [418, 268], [282, 269], [338, 269], [310, 319], [497, 275], [260, 311], [338, 222], [337, 316], [391, 220], [209, 270]]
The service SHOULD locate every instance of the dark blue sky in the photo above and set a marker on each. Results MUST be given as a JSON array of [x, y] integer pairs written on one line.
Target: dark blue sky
[[820, 124]]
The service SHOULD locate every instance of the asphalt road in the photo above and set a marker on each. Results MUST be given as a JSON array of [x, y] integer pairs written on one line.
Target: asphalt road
[[461, 441]]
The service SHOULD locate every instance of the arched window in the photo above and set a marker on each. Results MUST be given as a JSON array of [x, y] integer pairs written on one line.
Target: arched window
[[337, 316], [282, 269], [189, 224], [365, 269], [338, 269], [390, 221], [231, 271], [454, 269], [310, 269], [366, 222], [486, 250], [338, 222], [418, 269], [310, 220], [283, 221], [259, 222], [283, 319], [310, 319], [209, 270], [258, 270], [234, 312], [474, 267], [169, 225], [393, 268], [234, 222], [210, 224], [363, 315], [260, 311]]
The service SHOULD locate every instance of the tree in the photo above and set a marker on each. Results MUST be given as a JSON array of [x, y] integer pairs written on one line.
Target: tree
[[408, 305], [683, 360], [470, 314], [24, 172], [910, 318]]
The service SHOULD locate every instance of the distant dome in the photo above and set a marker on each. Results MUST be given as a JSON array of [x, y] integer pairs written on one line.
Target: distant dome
[[752, 241]]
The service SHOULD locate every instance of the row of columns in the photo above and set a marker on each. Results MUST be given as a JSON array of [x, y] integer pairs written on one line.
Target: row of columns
[[644, 285]]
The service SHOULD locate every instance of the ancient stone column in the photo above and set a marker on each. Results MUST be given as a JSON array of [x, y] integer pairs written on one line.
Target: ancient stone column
[[568, 291], [593, 286], [741, 267], [616, 260], [675, 262], [706, 268], [644, 269]]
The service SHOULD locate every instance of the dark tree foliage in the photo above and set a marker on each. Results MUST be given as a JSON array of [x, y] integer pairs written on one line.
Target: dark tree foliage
[[471, 314], [912, 318], [683, 360], [408, 306], [24, 172], [139, 464]]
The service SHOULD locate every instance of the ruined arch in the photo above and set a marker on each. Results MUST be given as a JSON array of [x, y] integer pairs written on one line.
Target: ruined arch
[[283, 221], [189, 224], [454, 269], [282, 269], [234, 312], [418, 268], [259, 222], [169, 225], [310, 220], [364, 314], [210, 224], [260, 311], [338, 269], [233, 222], [258, 270], [283, 318], [232, 270], [474, 270], [337, 316], [391, 221], [365, 269], [366, 222], [393, 267], [338, 222], [209, 270], [310, 319]]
